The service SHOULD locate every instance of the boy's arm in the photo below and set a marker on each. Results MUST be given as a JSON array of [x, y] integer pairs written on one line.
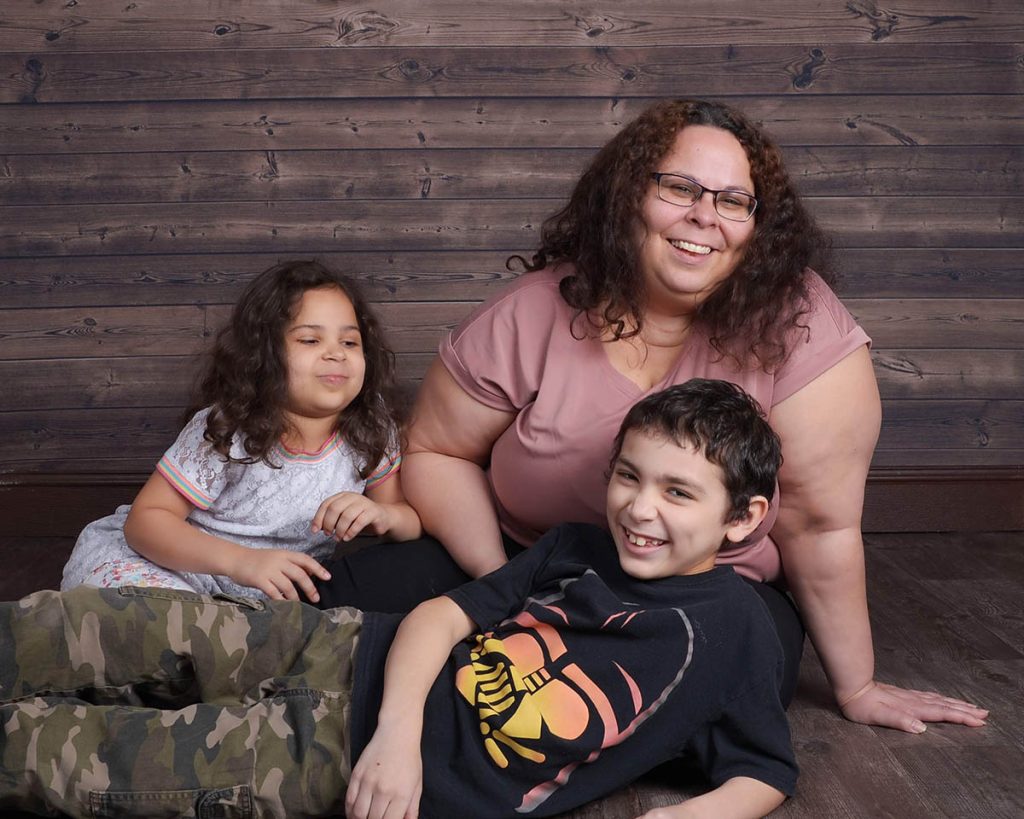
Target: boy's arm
[[738, 798], [389, 775]]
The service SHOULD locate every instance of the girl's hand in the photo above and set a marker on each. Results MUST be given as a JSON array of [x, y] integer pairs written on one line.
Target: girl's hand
[[345, 515], [388, 779], [908, 710], [278, 573]]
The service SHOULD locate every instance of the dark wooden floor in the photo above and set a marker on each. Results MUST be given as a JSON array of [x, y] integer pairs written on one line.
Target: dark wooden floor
[[948, 614]]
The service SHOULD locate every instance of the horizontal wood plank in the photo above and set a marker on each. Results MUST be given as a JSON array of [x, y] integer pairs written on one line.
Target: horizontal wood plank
[[219, 279], [165, 380], [902, 272], [145, 25], [943, 457], [967, 425], [76, 332], [966, 373], [136, 381], [228, 176], [486, 122], [64, 281], [942, 323], [462, 224], [70, 332], [963, 429], [510, 71]]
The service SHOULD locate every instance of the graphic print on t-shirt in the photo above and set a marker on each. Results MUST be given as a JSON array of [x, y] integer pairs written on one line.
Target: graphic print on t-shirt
[[567, 677]]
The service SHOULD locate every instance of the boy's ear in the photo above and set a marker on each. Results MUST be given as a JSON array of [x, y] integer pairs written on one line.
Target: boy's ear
[[756, 511]]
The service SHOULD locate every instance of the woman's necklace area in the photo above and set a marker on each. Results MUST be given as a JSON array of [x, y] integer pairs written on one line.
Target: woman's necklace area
[[647, 358]]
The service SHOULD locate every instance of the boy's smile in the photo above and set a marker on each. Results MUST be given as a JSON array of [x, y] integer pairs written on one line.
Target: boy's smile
[[667, 507]]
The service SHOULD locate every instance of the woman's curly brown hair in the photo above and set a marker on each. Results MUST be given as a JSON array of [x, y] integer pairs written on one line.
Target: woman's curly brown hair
[[751, 316], [245, 378]]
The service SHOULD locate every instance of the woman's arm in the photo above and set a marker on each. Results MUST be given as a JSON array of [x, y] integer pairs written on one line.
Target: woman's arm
[[828, 430], [158, 529], [450, 441]]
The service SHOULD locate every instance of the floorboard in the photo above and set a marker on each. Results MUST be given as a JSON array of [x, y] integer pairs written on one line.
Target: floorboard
[[948, 614]]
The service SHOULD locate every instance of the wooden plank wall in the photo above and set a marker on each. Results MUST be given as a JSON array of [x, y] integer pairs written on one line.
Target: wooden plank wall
[[156, 155]]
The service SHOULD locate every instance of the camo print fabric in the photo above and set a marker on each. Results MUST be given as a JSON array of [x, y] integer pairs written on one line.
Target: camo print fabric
[[163, 703]]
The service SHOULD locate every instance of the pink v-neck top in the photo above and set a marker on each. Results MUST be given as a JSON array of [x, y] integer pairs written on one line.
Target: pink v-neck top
[[516, 353]]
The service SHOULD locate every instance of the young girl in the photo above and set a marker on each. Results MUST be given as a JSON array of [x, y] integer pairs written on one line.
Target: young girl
[[293, 447]]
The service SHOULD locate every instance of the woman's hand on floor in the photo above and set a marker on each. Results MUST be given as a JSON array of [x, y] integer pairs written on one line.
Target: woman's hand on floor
[[907, 709]]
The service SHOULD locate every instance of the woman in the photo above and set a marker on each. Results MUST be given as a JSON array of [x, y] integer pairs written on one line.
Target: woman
[[684, 251]]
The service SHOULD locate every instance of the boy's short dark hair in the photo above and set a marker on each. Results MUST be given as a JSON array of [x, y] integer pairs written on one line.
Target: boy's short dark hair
[[724, 423]]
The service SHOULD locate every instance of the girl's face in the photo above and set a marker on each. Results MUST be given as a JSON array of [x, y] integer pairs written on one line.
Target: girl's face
[[688, 251], [324, 354]]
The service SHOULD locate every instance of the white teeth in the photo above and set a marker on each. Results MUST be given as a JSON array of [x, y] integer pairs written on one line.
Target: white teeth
[[703, 250], [636, 540]]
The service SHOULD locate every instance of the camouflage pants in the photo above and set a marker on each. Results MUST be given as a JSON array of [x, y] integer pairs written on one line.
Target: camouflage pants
[[160, 703]]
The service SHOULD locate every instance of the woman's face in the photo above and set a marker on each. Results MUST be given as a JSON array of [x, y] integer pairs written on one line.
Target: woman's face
[[686, 252]]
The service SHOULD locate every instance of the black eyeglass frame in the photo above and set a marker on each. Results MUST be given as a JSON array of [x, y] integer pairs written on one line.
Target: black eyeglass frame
[[658, 175]]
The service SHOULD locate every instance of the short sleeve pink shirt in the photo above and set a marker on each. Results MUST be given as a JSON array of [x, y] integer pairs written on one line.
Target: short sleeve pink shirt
[[516, 352]]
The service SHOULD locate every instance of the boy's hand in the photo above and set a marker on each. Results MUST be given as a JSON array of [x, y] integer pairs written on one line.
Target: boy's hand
[[388, 779], [278, 573], [346, 514]]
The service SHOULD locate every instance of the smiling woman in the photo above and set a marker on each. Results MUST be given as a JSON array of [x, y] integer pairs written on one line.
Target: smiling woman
[[633, 289], [692, 240]]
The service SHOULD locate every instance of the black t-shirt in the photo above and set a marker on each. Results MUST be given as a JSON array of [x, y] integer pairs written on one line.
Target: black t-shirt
[[584, 678]]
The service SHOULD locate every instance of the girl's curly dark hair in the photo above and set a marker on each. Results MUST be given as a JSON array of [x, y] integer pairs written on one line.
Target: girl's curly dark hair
[[752, 315], [245, 378]]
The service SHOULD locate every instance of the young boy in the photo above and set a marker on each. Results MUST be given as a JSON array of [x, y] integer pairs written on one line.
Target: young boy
[[570, 671]]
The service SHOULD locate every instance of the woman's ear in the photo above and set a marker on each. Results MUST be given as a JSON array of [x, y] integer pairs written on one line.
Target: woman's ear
[[756, 511]]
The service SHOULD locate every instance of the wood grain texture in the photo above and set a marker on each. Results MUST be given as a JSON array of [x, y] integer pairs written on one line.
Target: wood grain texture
[[510, 71], [462, 224], [488, 122], [417, 326], [966, 323], [165, 380], [155, 157], [921, 373], [63, 281], [227, 176], [183, 330], [128, 381], [913, 432], [903, 272], [144, 25]]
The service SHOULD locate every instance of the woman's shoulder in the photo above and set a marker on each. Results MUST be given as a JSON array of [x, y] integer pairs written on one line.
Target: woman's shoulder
[[824, 335], [827, 316], [534, 286], [530, 302]]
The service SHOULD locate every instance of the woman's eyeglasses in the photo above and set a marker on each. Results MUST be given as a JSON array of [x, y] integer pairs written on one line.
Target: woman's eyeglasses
[[680, 190]]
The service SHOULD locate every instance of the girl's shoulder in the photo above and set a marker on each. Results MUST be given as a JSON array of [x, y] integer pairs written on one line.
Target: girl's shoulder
[[193, 438]]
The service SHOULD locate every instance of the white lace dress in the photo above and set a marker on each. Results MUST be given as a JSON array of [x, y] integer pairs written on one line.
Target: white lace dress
[[254, 505]]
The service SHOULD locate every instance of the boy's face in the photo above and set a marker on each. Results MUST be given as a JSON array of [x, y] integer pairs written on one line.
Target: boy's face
[[667, 506]]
